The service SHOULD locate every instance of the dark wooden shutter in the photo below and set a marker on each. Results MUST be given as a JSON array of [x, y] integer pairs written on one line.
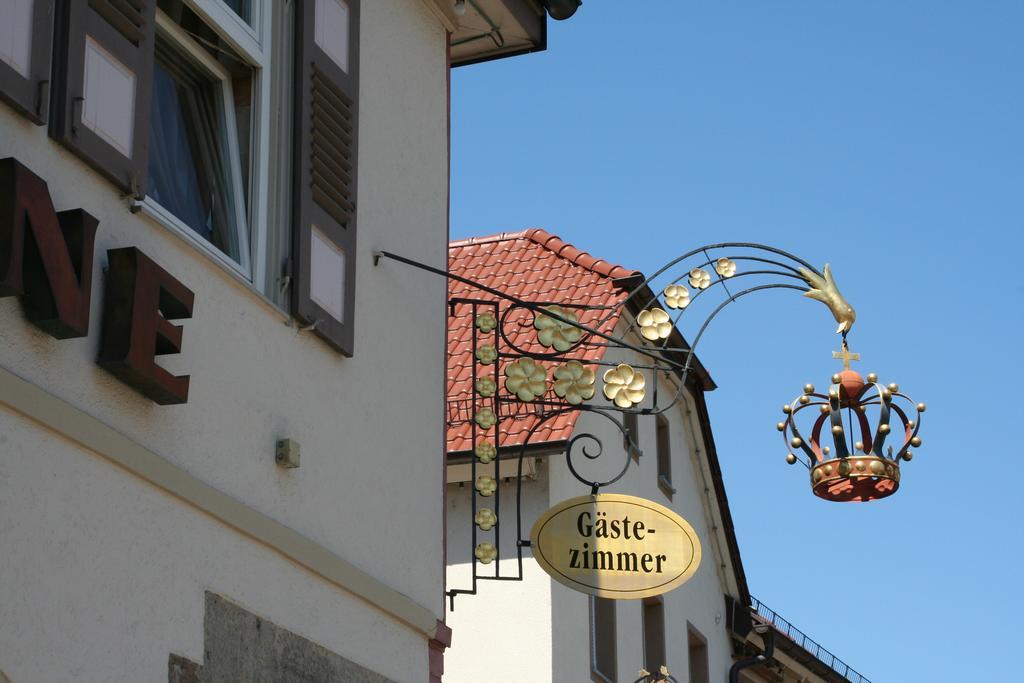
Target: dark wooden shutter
[[664, 456], [324, 226], [654, 634], [25, 86], [604, 640], [107, 47], [698, 655]]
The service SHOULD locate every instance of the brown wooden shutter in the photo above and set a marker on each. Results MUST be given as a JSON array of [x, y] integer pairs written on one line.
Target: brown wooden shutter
[[654, 634], [25, 62], [326, 115], [103, 74]]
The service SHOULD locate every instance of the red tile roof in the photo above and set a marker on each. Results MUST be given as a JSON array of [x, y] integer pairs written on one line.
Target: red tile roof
[[534, 266]]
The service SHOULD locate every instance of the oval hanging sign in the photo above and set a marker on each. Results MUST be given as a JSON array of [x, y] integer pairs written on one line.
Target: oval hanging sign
[[615, 546]]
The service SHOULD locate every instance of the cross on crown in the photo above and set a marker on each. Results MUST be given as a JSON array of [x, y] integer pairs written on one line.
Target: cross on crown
[[845, 356]]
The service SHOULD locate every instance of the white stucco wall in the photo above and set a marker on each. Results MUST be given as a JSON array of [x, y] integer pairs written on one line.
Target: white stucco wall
[[563, 643], [503, 633], [101, 574]]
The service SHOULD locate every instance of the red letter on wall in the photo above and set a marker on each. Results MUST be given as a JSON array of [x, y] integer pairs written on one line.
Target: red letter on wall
[[45, 257], [140, 299]]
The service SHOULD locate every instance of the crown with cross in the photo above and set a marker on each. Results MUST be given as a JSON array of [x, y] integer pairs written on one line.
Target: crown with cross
[[871, 427]]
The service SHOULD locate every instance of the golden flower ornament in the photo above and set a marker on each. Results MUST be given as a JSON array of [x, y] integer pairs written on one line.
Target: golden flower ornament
[[624, 386], [574, 382], [486, 418], [485, 322], [556, 334], [526, 378], [700, 278], [485, 451], [663, 674], [486, 354], [486, 386], [486, 552], [725, 267], [485, 519], [486, 484], [654, 324], [677, 296]]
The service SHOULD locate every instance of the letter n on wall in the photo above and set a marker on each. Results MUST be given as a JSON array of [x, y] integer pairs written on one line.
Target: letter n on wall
[[141, 297], [45, 256]]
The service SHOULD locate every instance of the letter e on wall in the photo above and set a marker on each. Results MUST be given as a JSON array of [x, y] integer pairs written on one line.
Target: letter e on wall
[[141, 297]]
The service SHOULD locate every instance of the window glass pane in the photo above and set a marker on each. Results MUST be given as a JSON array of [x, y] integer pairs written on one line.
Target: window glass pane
[[241, 88], [181, 13], [242, 8], [189, 169]]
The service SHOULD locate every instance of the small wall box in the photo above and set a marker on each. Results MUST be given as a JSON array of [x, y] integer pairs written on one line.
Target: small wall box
[[287, 453]]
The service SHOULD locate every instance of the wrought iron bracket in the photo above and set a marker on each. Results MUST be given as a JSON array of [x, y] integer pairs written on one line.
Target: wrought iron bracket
[[513, 380]]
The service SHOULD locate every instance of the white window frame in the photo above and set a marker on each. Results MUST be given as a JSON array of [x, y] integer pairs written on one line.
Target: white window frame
[[251, 43]]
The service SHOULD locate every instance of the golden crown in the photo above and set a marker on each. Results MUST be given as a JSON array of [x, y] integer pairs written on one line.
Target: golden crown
[[862, 463]]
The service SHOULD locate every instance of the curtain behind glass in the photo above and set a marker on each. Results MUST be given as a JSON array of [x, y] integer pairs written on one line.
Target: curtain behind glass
[[173, 181], [188, 171]]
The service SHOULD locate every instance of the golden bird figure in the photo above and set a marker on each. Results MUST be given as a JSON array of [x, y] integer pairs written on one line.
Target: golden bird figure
[[824, 290]]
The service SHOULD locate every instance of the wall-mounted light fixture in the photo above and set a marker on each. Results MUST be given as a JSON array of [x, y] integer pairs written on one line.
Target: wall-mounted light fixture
[[556, 9], [561, 9]]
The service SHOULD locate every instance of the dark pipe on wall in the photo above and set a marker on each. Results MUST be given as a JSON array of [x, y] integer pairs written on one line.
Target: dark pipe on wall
[[767, 634]]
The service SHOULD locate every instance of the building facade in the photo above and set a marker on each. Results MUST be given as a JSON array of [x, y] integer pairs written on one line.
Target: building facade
[[537, 629], [220, 458]]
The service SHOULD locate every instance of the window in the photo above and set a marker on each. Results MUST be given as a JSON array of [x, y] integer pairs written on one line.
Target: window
[[697, 647], [232, 122], [603, 638], [664, 457], [199, 142], [195, 161], [654, 634], [632, 434]]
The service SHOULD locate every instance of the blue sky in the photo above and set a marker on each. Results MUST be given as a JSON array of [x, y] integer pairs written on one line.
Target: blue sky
[[886, 138]]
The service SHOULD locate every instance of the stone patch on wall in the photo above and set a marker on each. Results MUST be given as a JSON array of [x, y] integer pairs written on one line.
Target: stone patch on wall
[[240, 646]]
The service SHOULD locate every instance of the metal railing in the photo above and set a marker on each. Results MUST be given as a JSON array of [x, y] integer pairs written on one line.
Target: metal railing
[[797, 636]]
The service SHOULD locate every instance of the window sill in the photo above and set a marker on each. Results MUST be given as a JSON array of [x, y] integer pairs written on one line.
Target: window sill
[[666, 486], [159, 215], [152, 209]]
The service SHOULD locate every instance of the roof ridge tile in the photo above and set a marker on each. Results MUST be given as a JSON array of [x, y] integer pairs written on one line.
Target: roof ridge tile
[[555, 245]]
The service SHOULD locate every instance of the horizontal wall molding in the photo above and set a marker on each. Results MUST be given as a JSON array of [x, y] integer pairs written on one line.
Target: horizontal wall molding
[[61, 417]]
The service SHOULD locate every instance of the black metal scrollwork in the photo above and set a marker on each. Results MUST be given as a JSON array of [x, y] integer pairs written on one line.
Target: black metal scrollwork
[[664, 355], [583, 439]]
